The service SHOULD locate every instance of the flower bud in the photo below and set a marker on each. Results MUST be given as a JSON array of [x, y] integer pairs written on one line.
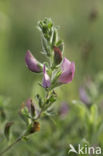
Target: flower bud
[[57, 55], [36, 126], [30, 106], [32, 128], [68, 70], [32, 63], [46, 79]]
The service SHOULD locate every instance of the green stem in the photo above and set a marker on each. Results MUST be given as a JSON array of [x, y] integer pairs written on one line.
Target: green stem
[[10, 146]]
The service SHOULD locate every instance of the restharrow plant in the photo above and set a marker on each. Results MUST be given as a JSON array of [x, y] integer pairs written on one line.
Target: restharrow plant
[[56, 72]]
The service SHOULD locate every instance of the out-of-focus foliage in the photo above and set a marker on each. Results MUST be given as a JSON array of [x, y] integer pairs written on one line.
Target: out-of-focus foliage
[[81, 27]]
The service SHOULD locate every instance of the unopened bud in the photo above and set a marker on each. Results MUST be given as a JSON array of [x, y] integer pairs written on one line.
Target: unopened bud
[[57, 56]]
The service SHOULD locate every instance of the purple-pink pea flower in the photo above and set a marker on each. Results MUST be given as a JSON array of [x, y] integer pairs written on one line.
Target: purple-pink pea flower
[[64, 108], [32, 63], [46, 79], [84, 96], [28, 104], [68, 70]]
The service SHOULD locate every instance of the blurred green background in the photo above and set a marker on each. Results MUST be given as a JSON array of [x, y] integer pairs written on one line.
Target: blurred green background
[[81, 28]]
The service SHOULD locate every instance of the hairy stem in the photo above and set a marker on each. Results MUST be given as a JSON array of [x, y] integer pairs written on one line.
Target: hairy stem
[[10, 146]]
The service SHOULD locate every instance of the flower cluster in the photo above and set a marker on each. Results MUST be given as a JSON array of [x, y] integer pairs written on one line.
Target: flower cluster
[[58, 70]]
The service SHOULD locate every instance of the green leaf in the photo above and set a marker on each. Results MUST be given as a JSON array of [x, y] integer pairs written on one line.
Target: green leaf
[[54, 38], [7, 129], [25, 138], [40, 102], [93, 114], [45, 46], [60, 45], [26, 114], [52, 99], [50, 112], [24, 118], [80, 108], [32, 110], [25, 111]]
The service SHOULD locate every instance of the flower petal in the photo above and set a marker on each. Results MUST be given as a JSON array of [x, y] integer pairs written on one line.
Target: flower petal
[[32, 63], [28, 104], [46, 79], [65, 64], [68, 69]]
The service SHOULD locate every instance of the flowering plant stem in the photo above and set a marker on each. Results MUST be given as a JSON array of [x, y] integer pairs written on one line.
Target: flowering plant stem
[[10, 146], [21, 137], [17, 140]]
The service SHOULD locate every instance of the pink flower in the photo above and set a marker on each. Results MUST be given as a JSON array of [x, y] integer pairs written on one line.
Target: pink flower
[[46, 79], [68, 70], [32, 63], [84, 97], [28, 104], [64, 109]]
